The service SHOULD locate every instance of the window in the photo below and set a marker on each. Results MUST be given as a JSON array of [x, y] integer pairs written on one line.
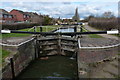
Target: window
[[10, 16], [5, 16], [1, 16], [24, 16]]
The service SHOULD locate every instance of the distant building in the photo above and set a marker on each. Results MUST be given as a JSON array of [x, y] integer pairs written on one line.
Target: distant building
[[6, 17], [76, 18], [20, 15], [68, 20], [35, 17]]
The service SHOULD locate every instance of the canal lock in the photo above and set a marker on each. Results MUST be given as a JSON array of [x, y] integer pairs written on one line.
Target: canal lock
[[59, 54]]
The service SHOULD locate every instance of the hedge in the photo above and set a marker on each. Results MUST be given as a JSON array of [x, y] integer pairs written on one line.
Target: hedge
[[17, 26], [104, 23]]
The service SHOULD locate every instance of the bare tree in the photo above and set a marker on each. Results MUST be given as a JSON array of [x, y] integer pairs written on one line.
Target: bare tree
[[108, 14]]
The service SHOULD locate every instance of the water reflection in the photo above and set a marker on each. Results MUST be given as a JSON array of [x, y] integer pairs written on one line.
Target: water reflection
[[65, 30]]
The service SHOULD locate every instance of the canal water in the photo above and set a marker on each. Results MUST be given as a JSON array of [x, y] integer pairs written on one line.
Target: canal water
[[65, 30], [54, 68]]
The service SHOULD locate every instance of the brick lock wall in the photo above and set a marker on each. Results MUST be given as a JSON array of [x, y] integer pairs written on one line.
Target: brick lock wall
[[23, 56]]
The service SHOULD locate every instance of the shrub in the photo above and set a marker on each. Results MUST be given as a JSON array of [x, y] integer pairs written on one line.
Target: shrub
[[17, 26], [104, 23]]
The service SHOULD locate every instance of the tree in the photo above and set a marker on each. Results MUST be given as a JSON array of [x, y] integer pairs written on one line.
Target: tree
[[108, 14], [47, 20], [89, 17]]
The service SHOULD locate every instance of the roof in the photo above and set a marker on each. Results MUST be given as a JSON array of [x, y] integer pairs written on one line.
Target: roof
[[31, 13], [25, 13], [3, 11]]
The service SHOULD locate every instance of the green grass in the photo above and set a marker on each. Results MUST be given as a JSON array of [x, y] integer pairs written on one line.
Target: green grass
[[4, 54], [92, 35], [95, 36], [84, 30], [118, 35], [45, 29]]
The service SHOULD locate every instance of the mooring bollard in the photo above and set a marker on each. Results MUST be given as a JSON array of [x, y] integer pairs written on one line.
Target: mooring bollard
[[41, 29], [75, 29], [34, 28]]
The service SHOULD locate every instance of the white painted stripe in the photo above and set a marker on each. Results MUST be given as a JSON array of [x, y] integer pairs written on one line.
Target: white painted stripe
[[83, 24], [25, 41], [5, 31], [113, 32], [30, 29], [84, 29], [101, 47], [79, 44], [15, 44], [2, 44]]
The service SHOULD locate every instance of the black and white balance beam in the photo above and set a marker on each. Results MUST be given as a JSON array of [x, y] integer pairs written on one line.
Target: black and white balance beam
[[65, 33]]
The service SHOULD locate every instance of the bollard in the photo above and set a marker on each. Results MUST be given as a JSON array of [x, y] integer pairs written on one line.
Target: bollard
[[75, 29], [34, 28], [41, 29]]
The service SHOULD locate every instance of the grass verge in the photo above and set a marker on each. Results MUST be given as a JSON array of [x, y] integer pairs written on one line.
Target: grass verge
[[92, 35], [4, 53], [45, 29]]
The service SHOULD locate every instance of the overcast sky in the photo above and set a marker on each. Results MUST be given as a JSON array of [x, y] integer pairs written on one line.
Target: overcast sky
[[63, 8]]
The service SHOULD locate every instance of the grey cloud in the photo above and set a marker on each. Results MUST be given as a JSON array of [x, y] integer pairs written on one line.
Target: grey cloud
[[66, 2], [63, 9]]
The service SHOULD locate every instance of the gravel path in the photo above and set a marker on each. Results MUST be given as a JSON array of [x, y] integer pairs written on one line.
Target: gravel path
[[103, 35], [98, 42], [14, 40]]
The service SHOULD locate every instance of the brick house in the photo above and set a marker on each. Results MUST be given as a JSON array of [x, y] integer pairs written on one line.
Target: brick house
[[20, 15], [5, 17]]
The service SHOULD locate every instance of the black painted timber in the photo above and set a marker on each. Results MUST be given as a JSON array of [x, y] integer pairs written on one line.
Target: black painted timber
[[51, 39], [68, 49], [51, 33], [66, 44], [48, 44], [47, 39], [63, 39], [49, 49]]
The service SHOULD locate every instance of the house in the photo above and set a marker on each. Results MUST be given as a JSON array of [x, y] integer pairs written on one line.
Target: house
[[35, 18], [20, 15], [5, 17]]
